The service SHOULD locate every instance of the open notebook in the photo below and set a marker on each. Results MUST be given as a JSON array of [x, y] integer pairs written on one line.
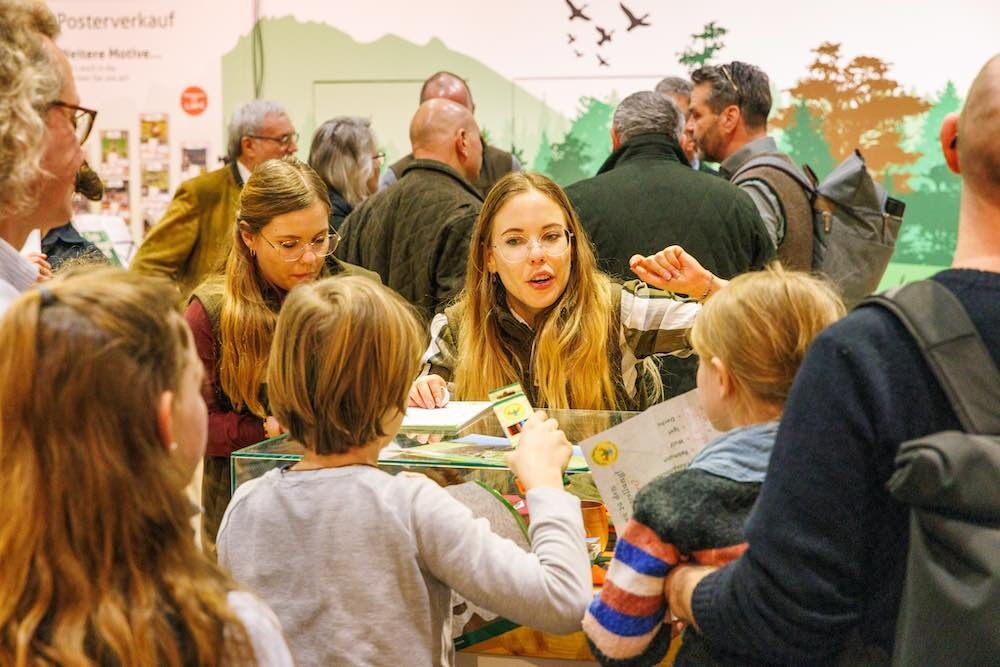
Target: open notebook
[[451, 418]]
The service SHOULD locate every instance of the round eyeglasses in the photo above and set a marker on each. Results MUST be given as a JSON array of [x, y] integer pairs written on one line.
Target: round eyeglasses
[[293, 250], [517, 247]]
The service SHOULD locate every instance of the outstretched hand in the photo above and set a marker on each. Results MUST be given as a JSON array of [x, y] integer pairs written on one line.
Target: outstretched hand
[[674, 270]]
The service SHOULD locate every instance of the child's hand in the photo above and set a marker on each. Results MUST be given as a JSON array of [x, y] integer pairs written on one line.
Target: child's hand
[[272, 428], [674, 270], [542, 453], [428, 391]]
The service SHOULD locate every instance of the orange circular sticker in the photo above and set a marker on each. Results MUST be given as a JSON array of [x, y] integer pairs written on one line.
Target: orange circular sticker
[[194, 100]]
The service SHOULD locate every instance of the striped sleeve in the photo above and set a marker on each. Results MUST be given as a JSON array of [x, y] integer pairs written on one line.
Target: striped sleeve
[[442, 350], [629, 620], [655, 322]]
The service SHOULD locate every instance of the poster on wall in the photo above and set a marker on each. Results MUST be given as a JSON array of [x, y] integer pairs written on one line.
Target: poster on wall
[[194, 160], [154, 168], [114, 171]]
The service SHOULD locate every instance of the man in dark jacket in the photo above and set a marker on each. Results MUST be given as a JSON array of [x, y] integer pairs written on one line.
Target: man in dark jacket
[[415, 234], [646, 196], [495, 162]]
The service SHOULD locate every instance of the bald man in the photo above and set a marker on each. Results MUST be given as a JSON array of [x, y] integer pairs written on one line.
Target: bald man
[[824, 571], [415, 235], [495, 162]]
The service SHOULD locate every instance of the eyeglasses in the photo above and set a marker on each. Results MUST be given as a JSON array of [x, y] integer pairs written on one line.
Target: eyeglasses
[[80, 118], [517, 247], [284, 140], [729, 77], [292, 251]]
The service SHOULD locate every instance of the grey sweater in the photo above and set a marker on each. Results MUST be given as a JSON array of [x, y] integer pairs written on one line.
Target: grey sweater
[[359, 565]]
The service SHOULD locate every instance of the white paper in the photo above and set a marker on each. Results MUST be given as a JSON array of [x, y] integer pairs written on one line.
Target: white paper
[[663, 439], [451, 417]]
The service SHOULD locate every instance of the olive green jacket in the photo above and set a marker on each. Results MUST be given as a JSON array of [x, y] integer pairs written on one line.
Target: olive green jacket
[[195, 235], [415, 234]]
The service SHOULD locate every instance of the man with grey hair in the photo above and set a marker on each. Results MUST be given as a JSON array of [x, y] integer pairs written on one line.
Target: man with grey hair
[[728, 120], [40, 137], [496, 162], [678, 90], [195, 235], [645, 197]]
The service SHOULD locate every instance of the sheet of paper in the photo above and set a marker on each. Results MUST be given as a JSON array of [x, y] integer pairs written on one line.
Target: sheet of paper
[[451, 417], [662, 439]]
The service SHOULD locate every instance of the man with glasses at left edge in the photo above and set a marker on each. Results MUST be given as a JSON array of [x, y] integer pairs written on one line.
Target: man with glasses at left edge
[[195, 235], [40, 138]]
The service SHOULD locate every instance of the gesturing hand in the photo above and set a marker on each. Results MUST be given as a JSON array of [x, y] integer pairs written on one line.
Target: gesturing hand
[[674, 270]]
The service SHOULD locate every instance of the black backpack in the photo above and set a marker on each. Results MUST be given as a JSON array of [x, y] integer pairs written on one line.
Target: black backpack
[[950, 609], [854, 222]]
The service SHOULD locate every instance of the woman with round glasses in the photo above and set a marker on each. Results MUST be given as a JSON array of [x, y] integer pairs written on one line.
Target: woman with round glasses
[[282, 238], [536, 310]]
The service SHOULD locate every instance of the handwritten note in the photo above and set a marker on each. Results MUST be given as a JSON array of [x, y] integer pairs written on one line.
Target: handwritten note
[[663, 439]]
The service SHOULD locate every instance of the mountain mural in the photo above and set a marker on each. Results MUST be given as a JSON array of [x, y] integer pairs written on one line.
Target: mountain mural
[[839, 103]]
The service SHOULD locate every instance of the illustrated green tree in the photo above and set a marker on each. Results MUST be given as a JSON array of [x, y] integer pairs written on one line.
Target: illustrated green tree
[[544, 154], [703, 47], [568, 156], [930, 171], [587, 143], [860, 106], [805, 143]]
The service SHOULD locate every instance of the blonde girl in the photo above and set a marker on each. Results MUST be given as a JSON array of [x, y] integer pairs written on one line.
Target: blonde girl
[[750, 340], [536, 310], [103, 425], [334, 544]]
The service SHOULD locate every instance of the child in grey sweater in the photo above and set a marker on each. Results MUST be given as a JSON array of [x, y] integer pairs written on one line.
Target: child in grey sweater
[[359, 564]]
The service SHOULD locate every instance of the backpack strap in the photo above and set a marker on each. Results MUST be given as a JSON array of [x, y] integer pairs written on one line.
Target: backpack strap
[[795, 194], [953, 349]]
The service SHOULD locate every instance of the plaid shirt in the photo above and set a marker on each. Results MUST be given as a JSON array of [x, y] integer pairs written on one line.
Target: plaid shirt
[[652, 322]]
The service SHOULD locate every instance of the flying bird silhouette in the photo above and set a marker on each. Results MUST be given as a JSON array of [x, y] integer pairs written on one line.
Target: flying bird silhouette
[[601, 61], [633, 21], [579, 54], [605, 36], [572, 38], [577, 13]]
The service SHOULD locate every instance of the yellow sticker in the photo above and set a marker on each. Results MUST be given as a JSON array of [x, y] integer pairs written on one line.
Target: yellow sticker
[[604, 453]]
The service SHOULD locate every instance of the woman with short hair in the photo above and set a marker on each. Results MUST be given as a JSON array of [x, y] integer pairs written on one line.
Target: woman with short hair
[[346, 157]]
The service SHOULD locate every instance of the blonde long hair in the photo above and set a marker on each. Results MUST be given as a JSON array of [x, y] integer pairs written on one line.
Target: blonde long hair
[[97, 558], [571, 363], [249, 302], [761, 326]]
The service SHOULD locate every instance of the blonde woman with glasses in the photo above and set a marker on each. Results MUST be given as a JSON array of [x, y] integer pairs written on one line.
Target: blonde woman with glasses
[[281, 239], [536, 310]]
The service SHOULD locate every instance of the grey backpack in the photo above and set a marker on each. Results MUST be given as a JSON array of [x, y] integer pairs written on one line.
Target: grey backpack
[[854, 221], [950, 609]]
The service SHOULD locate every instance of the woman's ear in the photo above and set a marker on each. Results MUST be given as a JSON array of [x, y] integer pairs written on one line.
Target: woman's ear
[[247, 236], [727, 388], [165, 420]]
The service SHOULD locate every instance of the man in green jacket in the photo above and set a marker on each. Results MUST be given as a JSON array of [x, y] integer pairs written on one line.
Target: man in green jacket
[[415, 234], [646, 197], [195, 235]]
